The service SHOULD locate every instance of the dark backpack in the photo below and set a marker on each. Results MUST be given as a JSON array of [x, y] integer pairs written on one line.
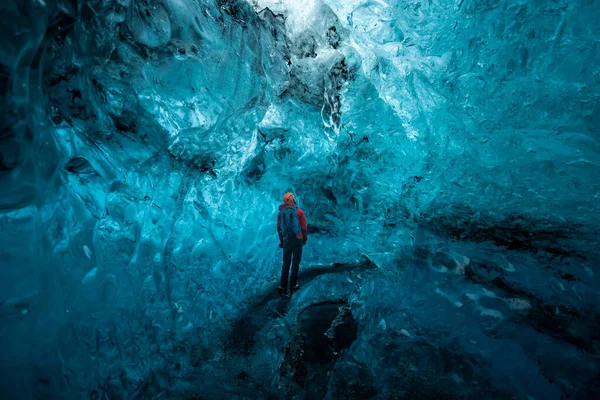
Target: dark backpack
[[290, 225]]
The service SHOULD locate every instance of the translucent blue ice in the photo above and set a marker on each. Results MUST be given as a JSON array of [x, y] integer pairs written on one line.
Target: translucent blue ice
[[145, 146]]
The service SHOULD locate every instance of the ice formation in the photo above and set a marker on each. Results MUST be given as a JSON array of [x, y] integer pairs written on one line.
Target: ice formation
[[446, 153]]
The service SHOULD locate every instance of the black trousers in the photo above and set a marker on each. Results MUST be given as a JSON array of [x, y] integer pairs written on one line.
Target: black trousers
[[291, 250]]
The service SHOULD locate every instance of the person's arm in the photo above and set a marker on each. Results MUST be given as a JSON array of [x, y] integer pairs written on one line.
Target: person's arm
[[279, 227], [302, 220]]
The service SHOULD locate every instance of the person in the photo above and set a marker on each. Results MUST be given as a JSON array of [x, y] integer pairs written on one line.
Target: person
[[291, 227]]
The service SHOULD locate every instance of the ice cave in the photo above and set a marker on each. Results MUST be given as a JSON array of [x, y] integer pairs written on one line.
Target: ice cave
[[446, 155]]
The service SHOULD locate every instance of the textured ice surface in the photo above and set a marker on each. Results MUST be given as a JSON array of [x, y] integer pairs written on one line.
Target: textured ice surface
[[145, 146]]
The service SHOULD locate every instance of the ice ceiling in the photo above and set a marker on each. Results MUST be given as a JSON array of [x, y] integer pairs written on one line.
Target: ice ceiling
[[446, 154]]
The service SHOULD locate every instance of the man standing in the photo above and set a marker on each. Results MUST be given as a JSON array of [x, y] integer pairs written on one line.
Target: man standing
[[291, 227]]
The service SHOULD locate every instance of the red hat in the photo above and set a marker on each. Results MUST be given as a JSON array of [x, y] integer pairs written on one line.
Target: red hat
[[288, 198]]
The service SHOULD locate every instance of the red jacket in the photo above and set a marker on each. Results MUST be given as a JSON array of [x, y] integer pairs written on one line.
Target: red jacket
[[301, 219]]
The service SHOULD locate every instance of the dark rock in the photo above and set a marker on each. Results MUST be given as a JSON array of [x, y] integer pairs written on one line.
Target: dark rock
[[518, 232], [333, 37], [324, 330], [560, 321]]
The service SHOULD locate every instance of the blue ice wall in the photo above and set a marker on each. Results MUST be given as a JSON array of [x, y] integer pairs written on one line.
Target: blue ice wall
[[145, 146]]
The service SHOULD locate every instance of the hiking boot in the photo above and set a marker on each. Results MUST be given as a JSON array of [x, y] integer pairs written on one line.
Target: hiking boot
[[293, 289], [281, 289]]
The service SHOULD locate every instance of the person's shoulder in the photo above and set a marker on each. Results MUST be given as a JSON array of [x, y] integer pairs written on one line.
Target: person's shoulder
[[300, 211]]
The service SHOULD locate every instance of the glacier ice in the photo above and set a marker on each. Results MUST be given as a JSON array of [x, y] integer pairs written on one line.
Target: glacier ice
[[446, 154]]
